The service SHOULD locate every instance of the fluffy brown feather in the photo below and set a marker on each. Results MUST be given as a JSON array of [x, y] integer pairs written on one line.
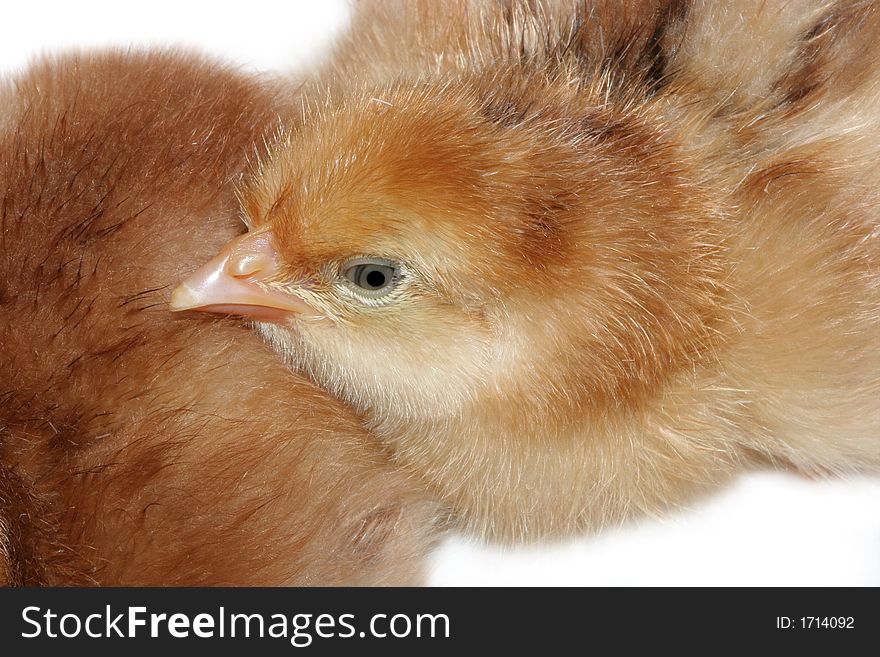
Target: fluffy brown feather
[[137, 449], [635, 246]]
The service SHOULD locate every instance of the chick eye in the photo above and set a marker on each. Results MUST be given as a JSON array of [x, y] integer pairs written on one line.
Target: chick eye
[[373, 277]]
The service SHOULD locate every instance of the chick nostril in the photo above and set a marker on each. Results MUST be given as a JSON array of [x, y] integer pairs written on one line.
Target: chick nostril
[[248, 264]]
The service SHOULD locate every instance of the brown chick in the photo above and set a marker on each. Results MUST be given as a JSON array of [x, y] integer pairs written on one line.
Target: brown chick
[[576, 261], [138, 450]]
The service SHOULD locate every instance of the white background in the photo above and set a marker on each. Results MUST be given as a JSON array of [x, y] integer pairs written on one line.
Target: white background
[[768, 529]]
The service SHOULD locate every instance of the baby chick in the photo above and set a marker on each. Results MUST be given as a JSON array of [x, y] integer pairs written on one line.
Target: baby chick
[[576, 261], [135, 450]]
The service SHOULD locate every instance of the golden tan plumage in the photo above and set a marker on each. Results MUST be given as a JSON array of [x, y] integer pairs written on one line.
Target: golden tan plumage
[[623, 250]]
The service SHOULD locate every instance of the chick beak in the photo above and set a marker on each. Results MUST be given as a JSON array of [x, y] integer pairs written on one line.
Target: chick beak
[[233, 283]]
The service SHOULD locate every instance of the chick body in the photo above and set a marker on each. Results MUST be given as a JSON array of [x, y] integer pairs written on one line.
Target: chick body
[[636, 247], [135, 450]]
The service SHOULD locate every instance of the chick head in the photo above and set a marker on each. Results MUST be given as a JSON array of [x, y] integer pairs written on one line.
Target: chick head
[[432, 249]]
